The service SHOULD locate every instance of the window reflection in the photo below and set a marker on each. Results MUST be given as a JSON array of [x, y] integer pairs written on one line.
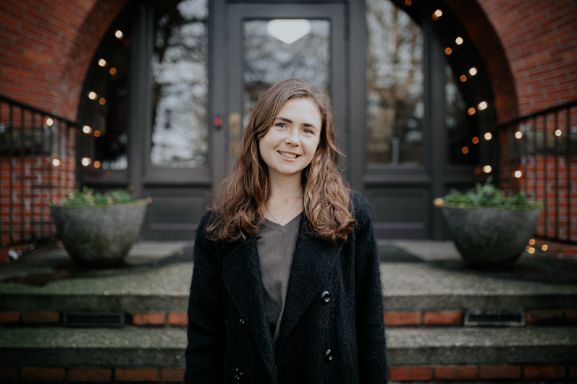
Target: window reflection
[[180, 86], [462, 147], [267, 59], [105, 104], [395, 105]]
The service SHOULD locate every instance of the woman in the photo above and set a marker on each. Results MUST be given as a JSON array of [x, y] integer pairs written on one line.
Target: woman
[[286, 286]]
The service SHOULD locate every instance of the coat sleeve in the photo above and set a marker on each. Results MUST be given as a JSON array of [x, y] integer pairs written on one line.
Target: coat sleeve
[[369, 311], [204, 351]]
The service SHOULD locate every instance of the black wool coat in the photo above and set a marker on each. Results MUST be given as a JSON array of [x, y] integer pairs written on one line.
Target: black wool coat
[[332, 329]]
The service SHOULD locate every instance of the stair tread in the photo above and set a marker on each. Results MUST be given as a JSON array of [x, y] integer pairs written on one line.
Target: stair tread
[[165, 346]]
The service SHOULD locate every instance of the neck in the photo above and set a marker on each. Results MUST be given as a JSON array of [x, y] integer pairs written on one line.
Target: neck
[[285, 187]]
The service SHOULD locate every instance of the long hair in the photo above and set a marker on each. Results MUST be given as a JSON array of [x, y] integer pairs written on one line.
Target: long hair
[[241, 198]]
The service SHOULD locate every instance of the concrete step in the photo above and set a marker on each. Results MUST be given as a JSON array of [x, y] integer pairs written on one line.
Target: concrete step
[[424, 283], [413, 353]]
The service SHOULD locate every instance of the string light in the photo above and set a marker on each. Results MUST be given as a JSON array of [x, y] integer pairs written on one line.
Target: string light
[[448, 51], [102, 101], [475, 140], [102, 63], [87, 129], [544, 247], [518, 135], [408, 3], [487, 168], [558, 132], [85, 161], [459, 40], [97, 133], [49, 122], [530, 250], [518, 174], [472, 71], [56, 162], [463, 78], [112, 71], [119, 35], [96, 164], [487, 136], [465, 150], [471, 111], [437, 14], [482, 105], [531, 241], [92, 95]]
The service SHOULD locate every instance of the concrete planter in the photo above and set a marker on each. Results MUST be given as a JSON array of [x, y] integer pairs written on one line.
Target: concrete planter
[[99, 236], [490, 237]]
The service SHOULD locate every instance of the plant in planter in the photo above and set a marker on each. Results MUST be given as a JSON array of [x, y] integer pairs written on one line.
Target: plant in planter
[[489, 228], [98, 229]]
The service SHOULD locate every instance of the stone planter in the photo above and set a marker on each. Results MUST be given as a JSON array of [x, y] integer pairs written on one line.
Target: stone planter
[[99, 236], [490, 237]]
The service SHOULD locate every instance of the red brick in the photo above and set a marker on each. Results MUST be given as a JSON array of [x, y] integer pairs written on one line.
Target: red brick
[[8, 374], [571, 315], [151, 318], [42, 374], [89, 374], [402, 318], [178, 318], [499, 372], [45, 317], [543, 372], [443, 318], [136, 374], [172, 375], [410, 373], [9, 317], [544, 317], [462, 372]]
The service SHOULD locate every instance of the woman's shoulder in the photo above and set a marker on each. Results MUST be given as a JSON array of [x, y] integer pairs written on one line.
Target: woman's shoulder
[[360, 208]]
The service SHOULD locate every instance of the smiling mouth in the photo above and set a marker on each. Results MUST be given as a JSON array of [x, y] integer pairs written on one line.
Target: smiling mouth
[[288, 155]]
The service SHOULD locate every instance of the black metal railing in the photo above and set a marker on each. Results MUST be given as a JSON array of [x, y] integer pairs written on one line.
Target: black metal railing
[[540, 153], [37, 165]]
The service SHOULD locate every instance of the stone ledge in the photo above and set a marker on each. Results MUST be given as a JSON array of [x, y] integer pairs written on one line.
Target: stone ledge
[[164, 347]]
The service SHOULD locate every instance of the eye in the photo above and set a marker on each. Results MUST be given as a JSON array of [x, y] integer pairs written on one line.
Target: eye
[[280, 124], [309, 131]]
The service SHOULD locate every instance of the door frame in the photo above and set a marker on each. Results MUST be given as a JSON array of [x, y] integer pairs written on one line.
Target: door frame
[[233, 88]]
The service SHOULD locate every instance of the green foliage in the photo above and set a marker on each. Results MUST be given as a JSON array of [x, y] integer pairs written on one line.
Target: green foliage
[[88, 198], [488, 196]]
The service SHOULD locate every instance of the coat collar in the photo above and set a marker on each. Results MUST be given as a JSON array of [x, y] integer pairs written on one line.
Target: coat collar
[[311, 269]]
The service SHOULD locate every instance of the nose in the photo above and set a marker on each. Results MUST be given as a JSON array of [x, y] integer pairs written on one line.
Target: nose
[[292, 137]]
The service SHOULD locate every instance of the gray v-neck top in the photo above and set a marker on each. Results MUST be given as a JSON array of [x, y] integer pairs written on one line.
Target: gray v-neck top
[[275, 246]]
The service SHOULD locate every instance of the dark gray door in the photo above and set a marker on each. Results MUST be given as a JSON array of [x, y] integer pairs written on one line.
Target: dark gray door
[[272, 42]]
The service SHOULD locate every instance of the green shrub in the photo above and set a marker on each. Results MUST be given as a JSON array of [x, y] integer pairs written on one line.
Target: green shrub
[[88, 198], [487, 195]]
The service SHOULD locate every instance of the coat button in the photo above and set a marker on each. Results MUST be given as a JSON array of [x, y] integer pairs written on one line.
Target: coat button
[[326, 297], [241, 321], [238, 373], [329, 355]]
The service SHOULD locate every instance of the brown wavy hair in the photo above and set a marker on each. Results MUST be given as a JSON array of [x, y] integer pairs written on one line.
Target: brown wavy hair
[[241, 199]]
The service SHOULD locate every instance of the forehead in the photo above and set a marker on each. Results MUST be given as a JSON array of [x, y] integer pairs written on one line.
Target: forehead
[[302, 110]]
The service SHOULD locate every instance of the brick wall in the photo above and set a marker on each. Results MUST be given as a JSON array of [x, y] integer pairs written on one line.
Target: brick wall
[[47, 47], [539, 38]]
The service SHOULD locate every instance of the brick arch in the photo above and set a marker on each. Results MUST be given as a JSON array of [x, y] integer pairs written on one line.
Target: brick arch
[[85, 44], [47, 52], [495, 60]]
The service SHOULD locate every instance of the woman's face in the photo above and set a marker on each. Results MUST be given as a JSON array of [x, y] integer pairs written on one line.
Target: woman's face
[[290, 144]]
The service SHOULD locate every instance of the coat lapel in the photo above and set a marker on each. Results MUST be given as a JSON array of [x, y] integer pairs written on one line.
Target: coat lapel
[[312, 267], [243, 282]]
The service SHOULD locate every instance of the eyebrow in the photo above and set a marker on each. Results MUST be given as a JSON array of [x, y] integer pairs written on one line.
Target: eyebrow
[[290, 121]]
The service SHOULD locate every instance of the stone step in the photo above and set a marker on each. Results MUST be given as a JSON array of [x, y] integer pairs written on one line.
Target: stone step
[[413, 353], [424, 283]]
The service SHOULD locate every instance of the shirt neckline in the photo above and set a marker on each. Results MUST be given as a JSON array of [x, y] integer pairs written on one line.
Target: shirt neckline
[[273, 225]]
